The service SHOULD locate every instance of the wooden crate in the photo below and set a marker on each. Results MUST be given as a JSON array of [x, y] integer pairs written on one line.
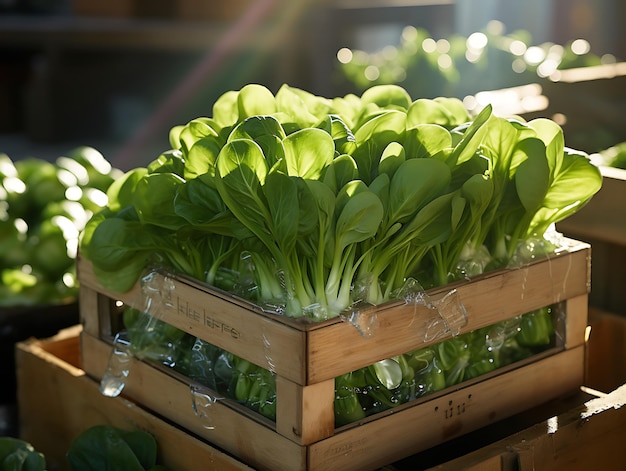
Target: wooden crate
[[602, 218], [606, 351], [587, 435], [602, 223], [307, 357], [58, 401]]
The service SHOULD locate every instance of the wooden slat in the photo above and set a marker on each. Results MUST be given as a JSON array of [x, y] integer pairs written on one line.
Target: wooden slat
[[576, 321], [305, 414], [362, 446], [251, 441], [88, 309], [340, 348], [58, 401], [310, 355], [449, 416]]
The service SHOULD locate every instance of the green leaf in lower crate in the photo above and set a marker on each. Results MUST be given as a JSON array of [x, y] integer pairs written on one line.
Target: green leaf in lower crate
[[19, 455], [388, 372], [536, 328], [103, 448]]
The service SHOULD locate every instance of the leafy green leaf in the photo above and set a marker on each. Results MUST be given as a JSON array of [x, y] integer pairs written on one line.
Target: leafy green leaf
[[255, 99], [308, 152]]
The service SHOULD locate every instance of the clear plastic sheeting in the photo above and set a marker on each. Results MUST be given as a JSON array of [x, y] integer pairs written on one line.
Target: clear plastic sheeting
[[447, 363], [450, 319], [148, 338], [443, 317], [202, 399], [537, 248], [365, 322], [156, 292], [118, 368]]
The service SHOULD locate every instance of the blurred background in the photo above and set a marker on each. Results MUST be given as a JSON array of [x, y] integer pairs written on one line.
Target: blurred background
[[118, 74]]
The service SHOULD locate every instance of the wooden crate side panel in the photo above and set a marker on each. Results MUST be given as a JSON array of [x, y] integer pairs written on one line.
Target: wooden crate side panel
[[57, 402], [314, 355], [305, 414], [92, 307], [590, 436], [257, 338], [87, 277], [576, 321], [606, 351], [485, 459], [251, 441], [597, 219], [593, 439], [88, 309], [425, 425], [340, 348]]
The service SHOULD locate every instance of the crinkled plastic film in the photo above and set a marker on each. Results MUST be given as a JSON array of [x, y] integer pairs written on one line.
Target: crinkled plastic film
[[214, 374], [444, 315], [118, 368], [446, 363], [550, 243], [202, 400], [450, 319], [145, 340], [365, 322]]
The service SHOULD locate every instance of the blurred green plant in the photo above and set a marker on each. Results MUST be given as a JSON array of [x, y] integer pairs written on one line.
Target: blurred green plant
[[614, 156], [458, 66], [43, 207]]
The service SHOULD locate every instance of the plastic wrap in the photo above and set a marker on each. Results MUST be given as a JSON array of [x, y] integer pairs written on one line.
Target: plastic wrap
[[448, 359], [444, 364]]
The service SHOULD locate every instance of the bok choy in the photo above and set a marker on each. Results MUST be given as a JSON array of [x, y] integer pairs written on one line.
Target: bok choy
[[307, 205]]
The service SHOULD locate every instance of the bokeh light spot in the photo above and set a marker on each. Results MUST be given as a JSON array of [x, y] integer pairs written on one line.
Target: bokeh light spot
[[344, 55]]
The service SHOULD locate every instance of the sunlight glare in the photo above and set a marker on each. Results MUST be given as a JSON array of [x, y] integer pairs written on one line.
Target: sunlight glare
[[443, 46], [444, 61], [477, 41], [429, 45], [344, 55], [409, 33], [517, 47], [371, 73], [534, 55], [580, 47]]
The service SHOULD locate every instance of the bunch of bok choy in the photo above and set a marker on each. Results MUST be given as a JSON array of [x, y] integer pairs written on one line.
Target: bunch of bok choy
[[310, 204]]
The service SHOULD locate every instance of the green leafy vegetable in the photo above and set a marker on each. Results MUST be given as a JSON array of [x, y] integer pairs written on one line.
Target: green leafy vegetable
[[103, 447], [19, 455], [310, 206], [44, 206]]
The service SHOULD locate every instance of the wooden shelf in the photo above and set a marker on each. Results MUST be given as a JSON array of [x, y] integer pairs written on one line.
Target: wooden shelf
[[74, 32]]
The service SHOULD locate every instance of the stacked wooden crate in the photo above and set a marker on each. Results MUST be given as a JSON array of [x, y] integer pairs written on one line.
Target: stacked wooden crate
[[602, 224], [58, 402], [306, 358]]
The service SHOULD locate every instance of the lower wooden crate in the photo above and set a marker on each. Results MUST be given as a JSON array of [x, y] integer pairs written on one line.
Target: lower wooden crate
[[605, 369], [58, 401], [367, 446], [577, 432], [589, 435]]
